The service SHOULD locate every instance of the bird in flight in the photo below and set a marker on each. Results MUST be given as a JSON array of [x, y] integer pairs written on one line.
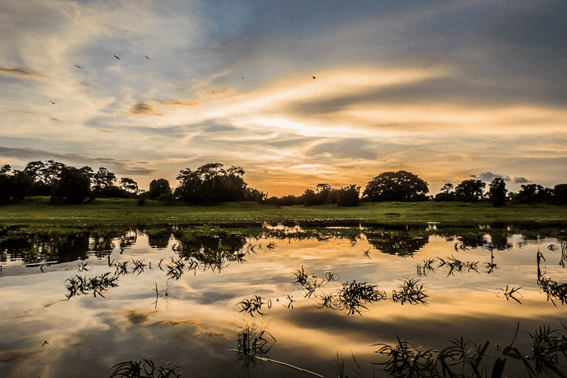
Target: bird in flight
[[52, 102], [313, 77], [78, 66], [45, 343], [116, 57], [147, 57]]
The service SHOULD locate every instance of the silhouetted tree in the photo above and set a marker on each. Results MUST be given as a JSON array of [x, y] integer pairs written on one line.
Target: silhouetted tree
[[211, 183], [349, 196], [323, 192], [255, 195], [128, 185], [396, 186], [159, 188], [534, 193], [44, 176], [72, 187], [560, 194], [103, 182], [470, 190], [309, 198], [497, 191], [14, 187]]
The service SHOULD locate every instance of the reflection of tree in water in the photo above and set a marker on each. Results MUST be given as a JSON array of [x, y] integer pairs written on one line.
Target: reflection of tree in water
[[41, 248], [403, 245], [158, 238], [208, 252]]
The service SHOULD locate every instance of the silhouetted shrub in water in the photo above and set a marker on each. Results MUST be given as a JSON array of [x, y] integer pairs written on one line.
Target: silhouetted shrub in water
[[465, 359], [78, 285], [251, 306], [352, 297], [142, 369], [410, 292], [309, 282]]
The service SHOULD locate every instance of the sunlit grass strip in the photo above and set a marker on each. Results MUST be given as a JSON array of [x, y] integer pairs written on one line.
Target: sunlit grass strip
[[36, 212]]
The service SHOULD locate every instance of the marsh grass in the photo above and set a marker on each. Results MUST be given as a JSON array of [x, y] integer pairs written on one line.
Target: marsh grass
[[411, 292], [251, 306], [455, 265], [466, 359], [36, 212], [141, 369], [510, 292], [78, 285], [555, 291]]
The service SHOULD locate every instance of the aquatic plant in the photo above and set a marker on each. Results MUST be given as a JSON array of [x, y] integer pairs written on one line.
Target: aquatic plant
[[339, 370], [467, 358], [309, 282], [455, 265], [78, 285], [251, 306], [410, 291], [509, 293], [142, 369], [352, 297]]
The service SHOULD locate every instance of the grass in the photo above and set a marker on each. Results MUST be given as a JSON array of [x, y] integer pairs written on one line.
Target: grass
[[36, 212]]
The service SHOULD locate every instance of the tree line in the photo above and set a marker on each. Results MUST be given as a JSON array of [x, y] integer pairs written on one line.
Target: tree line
[[211, 183]]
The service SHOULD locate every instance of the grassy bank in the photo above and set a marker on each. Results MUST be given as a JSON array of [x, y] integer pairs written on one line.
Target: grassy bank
[[37, 212]]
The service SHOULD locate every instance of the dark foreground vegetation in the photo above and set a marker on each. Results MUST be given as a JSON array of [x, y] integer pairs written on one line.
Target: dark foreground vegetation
[[211, 184]]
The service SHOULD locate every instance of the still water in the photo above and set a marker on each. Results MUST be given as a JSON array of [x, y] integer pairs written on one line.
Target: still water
[[209, 303]]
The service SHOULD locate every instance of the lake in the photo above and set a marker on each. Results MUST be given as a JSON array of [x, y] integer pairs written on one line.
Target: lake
[[275, 300]]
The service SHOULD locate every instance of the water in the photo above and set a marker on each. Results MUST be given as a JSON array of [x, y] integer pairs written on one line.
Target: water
[[196, 324]]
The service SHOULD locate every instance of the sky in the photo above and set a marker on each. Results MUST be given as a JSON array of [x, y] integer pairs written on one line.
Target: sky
[[296, 93]]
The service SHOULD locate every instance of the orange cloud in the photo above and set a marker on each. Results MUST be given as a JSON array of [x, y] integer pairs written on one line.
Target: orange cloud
[[180, 103], [106, 131], [215, 93]]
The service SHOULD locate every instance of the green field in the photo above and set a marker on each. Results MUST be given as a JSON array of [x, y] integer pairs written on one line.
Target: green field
[[37, 212]]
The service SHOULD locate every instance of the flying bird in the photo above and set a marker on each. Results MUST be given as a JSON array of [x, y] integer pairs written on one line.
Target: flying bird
[[116, 57], [313, 77], [147, 57], [52, 102], [45, 343], [78, 66]]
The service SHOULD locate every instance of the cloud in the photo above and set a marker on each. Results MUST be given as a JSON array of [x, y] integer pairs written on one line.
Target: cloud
[[344, 149], [141, 108], [22, 73], [489, 176], [55, 119], [107, 131], [180, 103], [119, 166], [520, 180], [216, 93]]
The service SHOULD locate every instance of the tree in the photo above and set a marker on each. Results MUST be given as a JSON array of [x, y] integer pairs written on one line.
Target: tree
[[349, 196], [470, 190], [323, 191], [447, 193], [72, 187], [103, 182], [534, 193], [396, 186], [159, 189], [211, 183], [13, 187], [309, 198], [128, 185], [560, 194], [497, 192]]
